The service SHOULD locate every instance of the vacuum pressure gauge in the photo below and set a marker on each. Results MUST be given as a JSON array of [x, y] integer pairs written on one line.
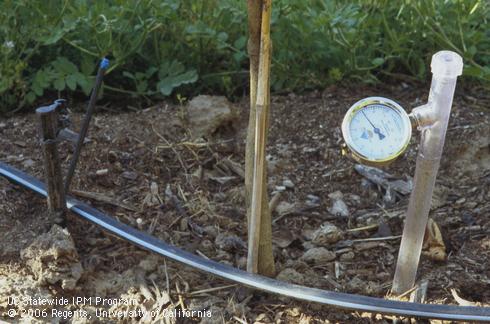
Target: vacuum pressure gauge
[[376, 130]]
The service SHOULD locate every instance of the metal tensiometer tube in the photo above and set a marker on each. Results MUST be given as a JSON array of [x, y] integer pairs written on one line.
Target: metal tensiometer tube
[[432, 120]]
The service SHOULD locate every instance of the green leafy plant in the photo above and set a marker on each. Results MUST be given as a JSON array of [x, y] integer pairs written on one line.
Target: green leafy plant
[[51, 47], [173, 75]]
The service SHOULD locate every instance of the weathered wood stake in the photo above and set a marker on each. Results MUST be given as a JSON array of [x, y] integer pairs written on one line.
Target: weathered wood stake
[[260, 257], [48, 129]]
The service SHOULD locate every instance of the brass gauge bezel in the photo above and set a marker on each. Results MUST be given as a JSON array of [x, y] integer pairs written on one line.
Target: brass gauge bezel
[[361, 104]]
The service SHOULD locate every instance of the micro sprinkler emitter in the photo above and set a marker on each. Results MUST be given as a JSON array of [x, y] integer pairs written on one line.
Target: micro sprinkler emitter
[[377, 131]]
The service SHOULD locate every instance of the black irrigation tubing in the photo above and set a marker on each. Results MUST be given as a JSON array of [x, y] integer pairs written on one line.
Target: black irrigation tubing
[[342, 300]]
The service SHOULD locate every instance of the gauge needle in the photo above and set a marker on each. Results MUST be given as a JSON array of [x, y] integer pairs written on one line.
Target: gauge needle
[[376, 130]]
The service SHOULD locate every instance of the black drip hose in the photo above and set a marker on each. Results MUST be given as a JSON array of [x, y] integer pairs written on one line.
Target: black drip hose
[[342, 300]]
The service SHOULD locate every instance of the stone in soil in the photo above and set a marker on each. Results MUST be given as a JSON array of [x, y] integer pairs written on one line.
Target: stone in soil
[[19, 286], [207, 113], [318, 255], [327, 234], [338, 208], [291, 275], [229, 243], [53, 258], [288, 184], [284, 207]]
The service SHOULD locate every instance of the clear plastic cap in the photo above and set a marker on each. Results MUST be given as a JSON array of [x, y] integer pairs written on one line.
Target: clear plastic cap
[[446, 64]]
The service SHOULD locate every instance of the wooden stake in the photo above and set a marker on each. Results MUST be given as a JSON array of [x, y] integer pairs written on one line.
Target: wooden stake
[[259, 205], [48, 129]]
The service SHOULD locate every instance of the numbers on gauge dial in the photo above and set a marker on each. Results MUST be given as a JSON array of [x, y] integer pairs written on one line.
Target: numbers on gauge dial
[[377, 132]]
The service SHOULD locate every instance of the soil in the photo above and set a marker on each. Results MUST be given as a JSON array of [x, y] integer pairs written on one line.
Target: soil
[[188, 192]]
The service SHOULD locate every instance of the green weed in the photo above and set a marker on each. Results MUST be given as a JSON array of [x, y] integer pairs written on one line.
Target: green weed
[[51, 47]]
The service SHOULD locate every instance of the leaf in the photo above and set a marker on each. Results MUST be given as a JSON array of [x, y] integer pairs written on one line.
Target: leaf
[[71, 81], [187, 77], [239, 56], [54, 37], [30, 97], [378, 61], [170, 68], [128, 75], [240, 43], [84, 82], [139, 76], [87, 65], [59, 84], [166, 85], [142, 86], [62, 64], [473, 71], [37, 89], [42, 78], [151, 71]]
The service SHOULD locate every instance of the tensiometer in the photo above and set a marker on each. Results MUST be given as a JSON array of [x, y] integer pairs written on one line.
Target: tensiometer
[[376, 130]]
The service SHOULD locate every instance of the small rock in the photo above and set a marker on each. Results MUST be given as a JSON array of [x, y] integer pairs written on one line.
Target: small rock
[[3, 125], [207, 245], [284, 207], [28, 163], [211, 231], [460, 201], [336, 195], [439, 197], [389, 197], [313, 198], [384, 230], [355, 198], [310, 149], [283, 239], [318, 255], [241, 262], [229, 243], [20, 143], [207, 113], [308, 233], [149, 263], [308, 245], [130, 175], [221, 255], [288, 184], [312, 201], [52, 258], [291, 275], [184, 224], [327, 234], [349, 256], [339, 208], [355, 285], [118, 167], [280, 188], [102, 172], [139, 223], [21, 287]]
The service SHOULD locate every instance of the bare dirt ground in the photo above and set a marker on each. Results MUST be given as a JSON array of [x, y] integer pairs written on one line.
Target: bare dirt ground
[[189, 192]]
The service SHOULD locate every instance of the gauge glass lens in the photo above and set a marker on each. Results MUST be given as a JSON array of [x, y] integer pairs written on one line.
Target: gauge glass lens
[[377, 131]]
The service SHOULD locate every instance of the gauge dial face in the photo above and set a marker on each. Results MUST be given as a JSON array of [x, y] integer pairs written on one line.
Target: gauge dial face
[[376, 129]]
